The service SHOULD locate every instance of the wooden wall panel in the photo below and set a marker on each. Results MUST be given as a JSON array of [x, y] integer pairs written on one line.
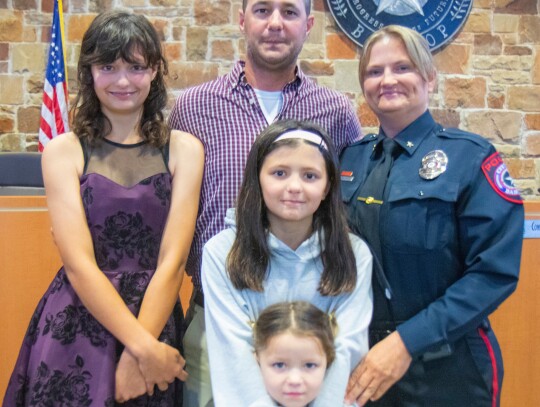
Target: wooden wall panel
[[517, 326], [28, 261]]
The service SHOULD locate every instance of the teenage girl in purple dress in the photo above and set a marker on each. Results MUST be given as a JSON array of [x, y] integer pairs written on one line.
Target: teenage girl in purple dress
[[122, 192]]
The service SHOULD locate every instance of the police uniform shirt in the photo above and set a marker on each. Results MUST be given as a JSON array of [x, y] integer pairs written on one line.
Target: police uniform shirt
[[451, 245]]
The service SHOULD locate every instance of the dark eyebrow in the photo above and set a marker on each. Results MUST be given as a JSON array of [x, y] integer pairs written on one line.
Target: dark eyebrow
[[288, 4]]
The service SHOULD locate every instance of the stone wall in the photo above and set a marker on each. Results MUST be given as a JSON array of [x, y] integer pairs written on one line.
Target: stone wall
[[489, 76]]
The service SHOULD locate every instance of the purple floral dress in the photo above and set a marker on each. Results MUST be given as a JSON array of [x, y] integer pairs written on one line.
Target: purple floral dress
[[67, 357]]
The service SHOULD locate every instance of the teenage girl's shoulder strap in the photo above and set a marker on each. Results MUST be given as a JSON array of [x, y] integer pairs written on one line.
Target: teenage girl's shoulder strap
[[86, 154], [165, 153]]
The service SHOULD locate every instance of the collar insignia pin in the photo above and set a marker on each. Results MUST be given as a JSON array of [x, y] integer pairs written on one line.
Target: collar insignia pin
[[434, 164], [410, 144]]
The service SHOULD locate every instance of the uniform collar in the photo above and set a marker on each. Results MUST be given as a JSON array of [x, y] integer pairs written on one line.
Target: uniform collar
[[412, 136]]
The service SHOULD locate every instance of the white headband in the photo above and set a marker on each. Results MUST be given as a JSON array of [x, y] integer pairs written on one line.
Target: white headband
[[303, 135]]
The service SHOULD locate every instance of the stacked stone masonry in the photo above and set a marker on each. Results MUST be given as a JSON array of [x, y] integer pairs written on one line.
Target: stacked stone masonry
[[488, 83]]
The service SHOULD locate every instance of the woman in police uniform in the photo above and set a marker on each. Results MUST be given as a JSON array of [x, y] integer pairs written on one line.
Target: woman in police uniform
[[447, 229]]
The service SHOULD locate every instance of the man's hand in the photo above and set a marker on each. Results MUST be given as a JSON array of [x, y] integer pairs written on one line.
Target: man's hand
[[383, 366]]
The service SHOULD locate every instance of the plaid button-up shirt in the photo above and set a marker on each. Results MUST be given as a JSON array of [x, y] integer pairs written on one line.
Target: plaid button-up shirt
[[225, 115]]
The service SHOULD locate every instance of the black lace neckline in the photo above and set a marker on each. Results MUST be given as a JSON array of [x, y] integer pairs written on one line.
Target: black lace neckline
[[120, 145]]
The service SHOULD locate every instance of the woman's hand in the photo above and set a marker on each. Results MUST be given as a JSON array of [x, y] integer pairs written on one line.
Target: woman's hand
[[383, 366], [160, 365], [130, 382]]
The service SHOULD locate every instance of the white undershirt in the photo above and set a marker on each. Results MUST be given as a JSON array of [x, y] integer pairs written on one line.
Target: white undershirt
[[270, 103]]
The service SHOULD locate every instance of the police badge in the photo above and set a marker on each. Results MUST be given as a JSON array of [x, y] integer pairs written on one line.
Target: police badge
[[437, 20], [433, 164]]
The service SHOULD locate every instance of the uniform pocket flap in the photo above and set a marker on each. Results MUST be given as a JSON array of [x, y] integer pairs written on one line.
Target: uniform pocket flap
[[444, 191]]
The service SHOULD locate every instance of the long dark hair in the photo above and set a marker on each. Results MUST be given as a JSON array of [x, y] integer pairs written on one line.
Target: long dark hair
[[299, 318], [113, 35], [248, 258]]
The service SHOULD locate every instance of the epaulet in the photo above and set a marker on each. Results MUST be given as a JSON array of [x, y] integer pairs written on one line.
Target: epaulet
[[368, 138], [452, 132]]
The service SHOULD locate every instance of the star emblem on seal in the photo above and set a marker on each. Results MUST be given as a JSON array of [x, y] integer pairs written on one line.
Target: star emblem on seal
[[390, 4]]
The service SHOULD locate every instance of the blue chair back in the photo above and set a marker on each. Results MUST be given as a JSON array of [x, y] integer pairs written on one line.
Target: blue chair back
[[20, 174]]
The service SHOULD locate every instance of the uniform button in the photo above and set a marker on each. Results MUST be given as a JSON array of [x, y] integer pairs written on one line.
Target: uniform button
[[421, 193]]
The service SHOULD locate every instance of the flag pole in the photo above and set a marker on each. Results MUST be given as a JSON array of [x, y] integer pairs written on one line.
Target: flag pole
[[61, 17]]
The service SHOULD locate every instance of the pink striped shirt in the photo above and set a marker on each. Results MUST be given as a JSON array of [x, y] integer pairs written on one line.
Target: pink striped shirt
[[225, 115]]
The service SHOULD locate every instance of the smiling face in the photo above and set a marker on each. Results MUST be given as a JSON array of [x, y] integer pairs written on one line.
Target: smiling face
[[293, 368], [121, 86], [275, 31], [393, 87], [293, 182]]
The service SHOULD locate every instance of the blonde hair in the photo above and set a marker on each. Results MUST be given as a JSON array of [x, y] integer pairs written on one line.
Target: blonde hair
[[416, 46]]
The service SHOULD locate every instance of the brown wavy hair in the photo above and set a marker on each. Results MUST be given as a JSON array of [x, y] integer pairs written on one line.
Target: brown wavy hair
[[112, 35]]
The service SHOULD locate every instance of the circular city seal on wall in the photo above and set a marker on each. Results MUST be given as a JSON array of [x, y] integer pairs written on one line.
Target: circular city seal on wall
[[437, 20]]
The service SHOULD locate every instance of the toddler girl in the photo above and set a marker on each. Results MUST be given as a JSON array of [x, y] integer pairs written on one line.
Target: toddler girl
[[294, 345]]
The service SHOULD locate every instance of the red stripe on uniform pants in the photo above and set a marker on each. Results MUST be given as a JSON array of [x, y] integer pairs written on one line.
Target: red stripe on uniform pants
[[495, 381]]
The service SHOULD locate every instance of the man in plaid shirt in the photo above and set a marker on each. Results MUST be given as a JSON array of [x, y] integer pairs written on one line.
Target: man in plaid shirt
[[227, 114]]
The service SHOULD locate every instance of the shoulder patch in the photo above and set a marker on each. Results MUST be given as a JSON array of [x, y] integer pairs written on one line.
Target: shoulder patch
[[499, 178]]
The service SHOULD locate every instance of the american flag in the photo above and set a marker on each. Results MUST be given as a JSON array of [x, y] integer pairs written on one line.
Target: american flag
[[54, 110]]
